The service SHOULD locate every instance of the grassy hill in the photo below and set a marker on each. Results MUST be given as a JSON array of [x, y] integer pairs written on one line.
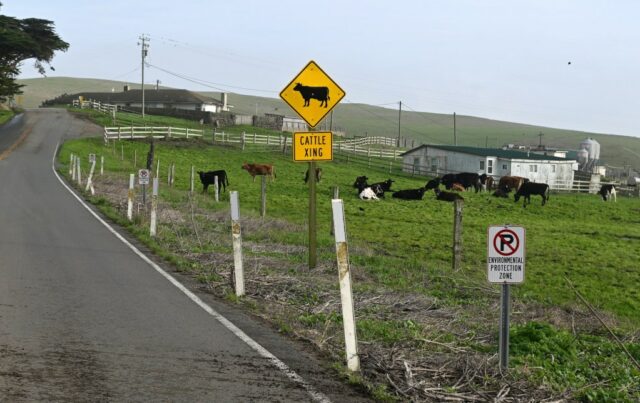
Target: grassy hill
[[362, 120]]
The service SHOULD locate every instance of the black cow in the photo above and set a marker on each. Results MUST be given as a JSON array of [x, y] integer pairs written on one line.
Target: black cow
[[384, 186], [208, 178], [447, 196], [531, 188], [309, 93], [501, 193], [466, 179], [409, 194], [433, 184], [606, 191], [361, 183], [318, 175]]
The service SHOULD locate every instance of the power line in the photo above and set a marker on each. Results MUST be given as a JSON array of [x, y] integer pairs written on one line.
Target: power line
[[209, 84]]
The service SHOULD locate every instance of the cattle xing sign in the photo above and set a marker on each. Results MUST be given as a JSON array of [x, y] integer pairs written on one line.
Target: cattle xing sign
[[505, 254], [312, 146], [312, 94]]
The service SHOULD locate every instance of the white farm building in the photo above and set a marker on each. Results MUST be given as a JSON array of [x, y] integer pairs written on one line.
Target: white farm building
[[437, 160]]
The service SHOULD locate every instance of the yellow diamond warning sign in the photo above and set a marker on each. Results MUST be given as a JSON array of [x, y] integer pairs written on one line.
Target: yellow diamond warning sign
[[312, 146], [312, 94]]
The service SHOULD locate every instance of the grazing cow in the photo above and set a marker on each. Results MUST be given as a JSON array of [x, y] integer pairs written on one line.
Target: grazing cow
[[309, 93], [409, 194], [447, 196], [368, 194], [530, 188], [606, 191], [466, 179], [318, 175], [432, 184], [208, 178], [486, 182], [457, 187], [260, 169], [501, 193], [509, 183]]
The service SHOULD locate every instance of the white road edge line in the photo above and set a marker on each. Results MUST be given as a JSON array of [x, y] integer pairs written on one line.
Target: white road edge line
[[291, 374]]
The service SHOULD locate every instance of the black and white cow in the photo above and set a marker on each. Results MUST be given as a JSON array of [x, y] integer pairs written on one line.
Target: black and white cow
[[607, 191]]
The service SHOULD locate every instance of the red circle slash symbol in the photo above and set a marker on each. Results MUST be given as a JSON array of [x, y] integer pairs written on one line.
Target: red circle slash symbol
[[506, 242]]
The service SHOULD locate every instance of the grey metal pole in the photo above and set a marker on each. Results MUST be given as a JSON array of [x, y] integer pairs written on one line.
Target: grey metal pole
[[504, 328]]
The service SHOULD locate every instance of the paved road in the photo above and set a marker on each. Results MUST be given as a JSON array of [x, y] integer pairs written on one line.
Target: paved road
[[83, 318]]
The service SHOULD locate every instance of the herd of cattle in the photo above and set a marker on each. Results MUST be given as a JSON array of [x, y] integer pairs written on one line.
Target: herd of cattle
[[456, 182]]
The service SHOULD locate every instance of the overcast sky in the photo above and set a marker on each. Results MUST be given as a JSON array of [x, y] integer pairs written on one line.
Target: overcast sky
[[571, 64]]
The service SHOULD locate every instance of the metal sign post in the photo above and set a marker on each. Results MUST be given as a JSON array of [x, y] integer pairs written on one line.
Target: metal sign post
[[505, 265], [143, 180]]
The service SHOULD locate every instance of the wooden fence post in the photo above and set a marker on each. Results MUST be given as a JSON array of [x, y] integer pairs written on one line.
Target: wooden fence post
[[263, 196], [135, 158], [243, 140], [457, 234], [191, 179], [238, 277], [72, 167], [154, 208]]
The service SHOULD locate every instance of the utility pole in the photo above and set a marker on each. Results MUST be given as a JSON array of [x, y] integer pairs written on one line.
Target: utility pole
[[455, 139], [540, 143], [144, 42], [399, 117]]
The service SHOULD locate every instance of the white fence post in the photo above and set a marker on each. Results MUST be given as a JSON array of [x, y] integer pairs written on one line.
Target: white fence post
[[90, 178], [101, 165], [237, 244], [216, 187], [346, 297], [154, 208], [72, 167], [191, 179], [130, 197], [78, 175]]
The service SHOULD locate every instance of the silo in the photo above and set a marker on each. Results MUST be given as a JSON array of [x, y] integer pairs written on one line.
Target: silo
[[583, 156], [593, 147]]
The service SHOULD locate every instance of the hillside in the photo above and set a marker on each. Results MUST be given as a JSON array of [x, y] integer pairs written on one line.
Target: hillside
[[362, 120]]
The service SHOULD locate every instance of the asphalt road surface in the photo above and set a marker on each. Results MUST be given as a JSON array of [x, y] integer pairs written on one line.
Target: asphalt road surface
[[84, 318]]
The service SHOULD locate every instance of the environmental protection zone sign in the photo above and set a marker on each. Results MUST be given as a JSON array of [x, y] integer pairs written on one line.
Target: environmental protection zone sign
[[505, 254], [312, 94]]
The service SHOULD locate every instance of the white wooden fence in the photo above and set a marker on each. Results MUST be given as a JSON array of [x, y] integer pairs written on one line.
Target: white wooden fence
[[104, 108], [138, 132]]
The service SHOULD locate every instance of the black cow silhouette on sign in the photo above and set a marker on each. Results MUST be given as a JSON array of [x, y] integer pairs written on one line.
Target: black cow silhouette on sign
[[309, 93]]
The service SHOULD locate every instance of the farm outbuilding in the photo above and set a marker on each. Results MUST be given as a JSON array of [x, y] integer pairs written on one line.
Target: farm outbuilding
[[441, 159]]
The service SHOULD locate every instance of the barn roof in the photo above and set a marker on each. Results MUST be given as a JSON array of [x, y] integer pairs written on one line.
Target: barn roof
[[492, 152]]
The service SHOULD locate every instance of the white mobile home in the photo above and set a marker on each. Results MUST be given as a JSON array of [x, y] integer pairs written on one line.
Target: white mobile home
[[440, 159]]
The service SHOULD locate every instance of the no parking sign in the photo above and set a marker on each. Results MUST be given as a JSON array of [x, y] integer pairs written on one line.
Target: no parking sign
[[505, 254]]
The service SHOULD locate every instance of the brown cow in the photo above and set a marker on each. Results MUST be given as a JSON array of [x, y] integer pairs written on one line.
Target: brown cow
[[458, 187], [509, 183], [260, 169]]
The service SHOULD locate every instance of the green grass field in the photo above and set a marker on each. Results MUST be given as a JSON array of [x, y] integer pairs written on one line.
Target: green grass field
[[404, 248], [5, 116]]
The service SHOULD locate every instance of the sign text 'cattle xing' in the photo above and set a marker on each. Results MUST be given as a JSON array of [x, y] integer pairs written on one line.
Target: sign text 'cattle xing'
[[312, 146]]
